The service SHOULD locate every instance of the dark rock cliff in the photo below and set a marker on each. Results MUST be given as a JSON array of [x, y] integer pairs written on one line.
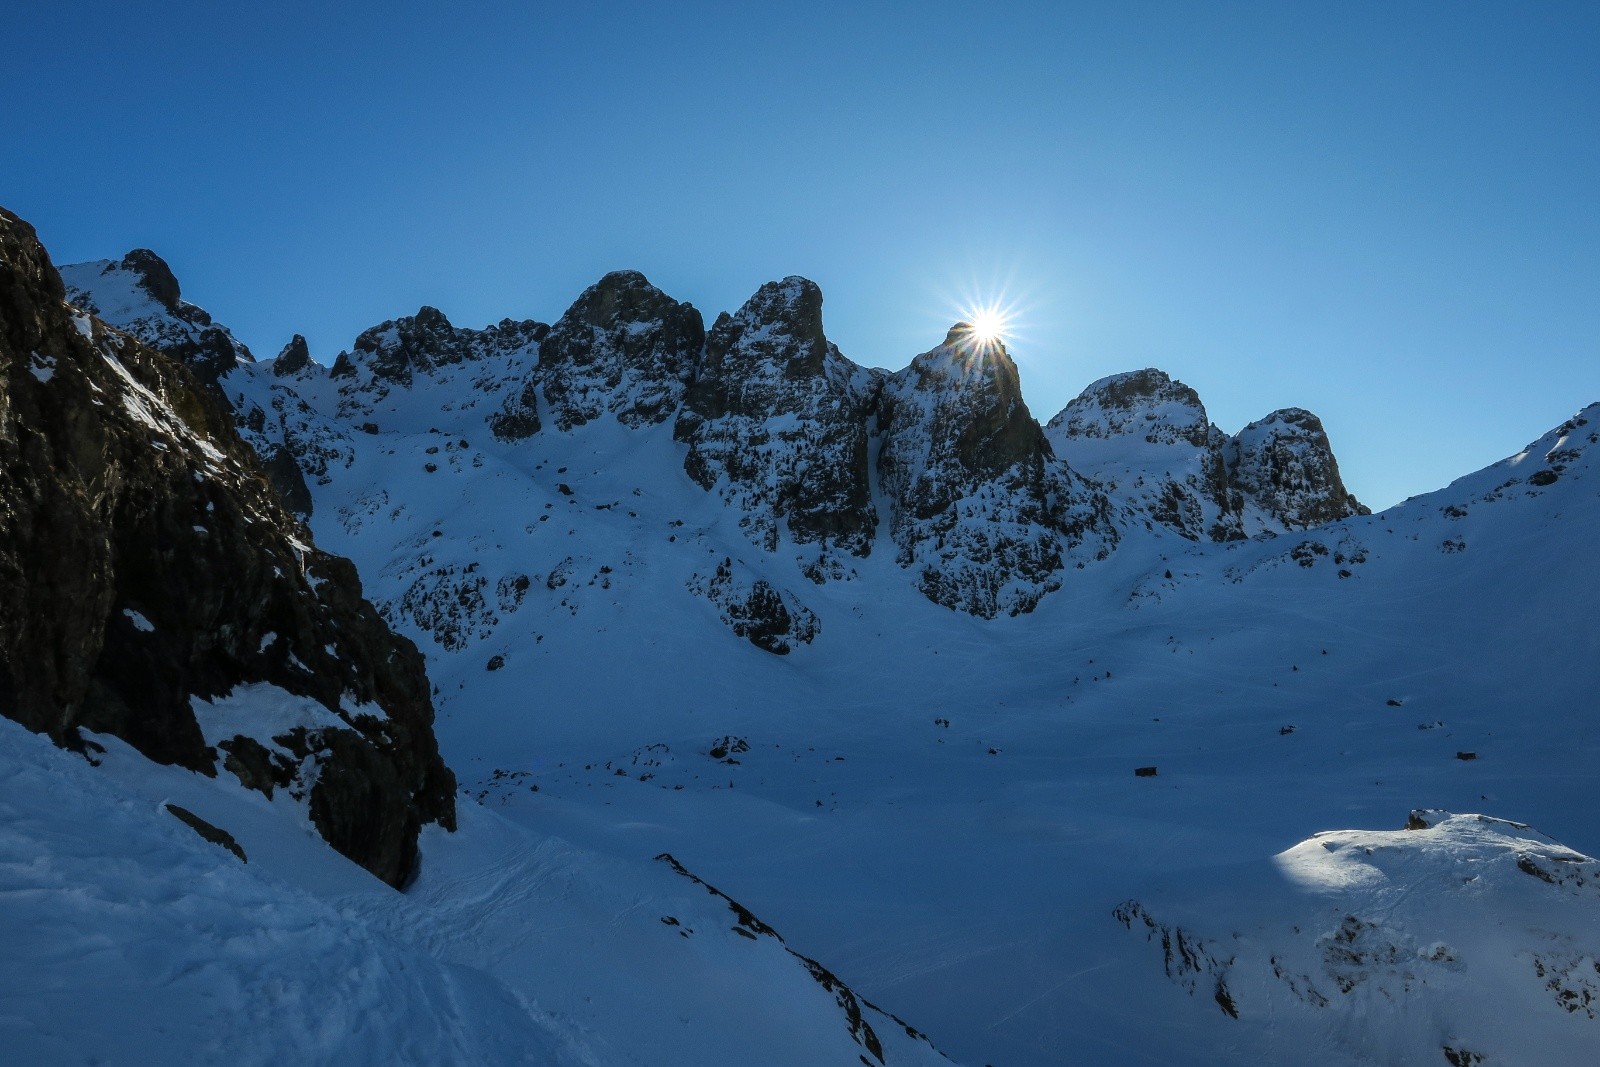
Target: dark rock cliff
[[623, 347], [146, 563]]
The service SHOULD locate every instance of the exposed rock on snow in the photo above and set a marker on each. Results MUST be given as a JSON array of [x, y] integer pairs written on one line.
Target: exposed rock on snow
[[859, 1013], [769, 618], [294, 358], [777, 424], [980, 510], [128, 497]]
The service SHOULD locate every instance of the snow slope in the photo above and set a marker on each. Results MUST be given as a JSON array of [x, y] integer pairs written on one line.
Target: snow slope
[[131, 939]]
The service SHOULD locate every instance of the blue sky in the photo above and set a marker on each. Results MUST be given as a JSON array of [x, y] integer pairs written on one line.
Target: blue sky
[[1387, 213]]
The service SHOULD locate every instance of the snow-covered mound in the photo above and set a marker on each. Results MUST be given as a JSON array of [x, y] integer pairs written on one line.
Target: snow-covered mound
[[1461, 939], [1147, 440]]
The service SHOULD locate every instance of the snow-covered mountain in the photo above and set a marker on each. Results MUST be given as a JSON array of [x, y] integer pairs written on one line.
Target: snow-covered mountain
[[1173, 655]]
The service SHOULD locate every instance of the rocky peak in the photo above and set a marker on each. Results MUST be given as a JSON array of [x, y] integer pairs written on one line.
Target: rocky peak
[[294, 358], [139, 295], [153, 276], [971, 395], [1285, 465], [1148, 440], [624, 346], [1142, 403], [981, 509], [776, 421], [148, 569], [393, 351]]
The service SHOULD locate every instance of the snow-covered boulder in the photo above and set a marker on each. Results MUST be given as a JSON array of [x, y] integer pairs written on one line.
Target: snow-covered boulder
[[1462, 938]]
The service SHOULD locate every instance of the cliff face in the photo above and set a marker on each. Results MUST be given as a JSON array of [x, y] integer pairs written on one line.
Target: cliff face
[[147, 565]]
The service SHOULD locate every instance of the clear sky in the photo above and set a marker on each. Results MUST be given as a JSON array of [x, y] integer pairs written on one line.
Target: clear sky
[[1388, 213]]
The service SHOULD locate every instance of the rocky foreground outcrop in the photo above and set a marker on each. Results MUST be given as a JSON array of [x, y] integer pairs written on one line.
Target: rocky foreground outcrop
[[146, 564]]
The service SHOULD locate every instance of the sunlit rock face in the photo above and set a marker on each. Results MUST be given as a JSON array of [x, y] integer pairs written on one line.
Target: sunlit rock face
[[140, 295], [624, 348], [146, 566], [1285, 466], [776, 422], [981, 511], [1148, 441]]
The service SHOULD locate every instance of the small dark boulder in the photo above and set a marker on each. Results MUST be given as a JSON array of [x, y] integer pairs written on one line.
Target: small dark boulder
[[215, 834]]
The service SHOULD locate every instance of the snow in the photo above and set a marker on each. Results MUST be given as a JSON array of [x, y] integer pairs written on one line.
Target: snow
[[260, 711], [140, 623], [513, 947]]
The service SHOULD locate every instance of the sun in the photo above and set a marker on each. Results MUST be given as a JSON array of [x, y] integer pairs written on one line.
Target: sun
[[989, 325]]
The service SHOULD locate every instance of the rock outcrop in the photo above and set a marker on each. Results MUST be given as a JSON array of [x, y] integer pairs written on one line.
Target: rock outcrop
[[146, 564], [982, 512], [1148, 440], [777, 423], [391, 352]]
